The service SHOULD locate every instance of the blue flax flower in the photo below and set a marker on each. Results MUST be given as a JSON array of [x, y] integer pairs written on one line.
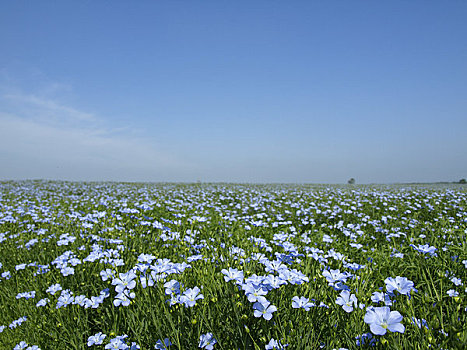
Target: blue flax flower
[[21, 345], [401, 284], [365, 339], [26, 295], [264, 309], [124, 298], [378, 297], [94, 302], [425, 249], [162, 345], [125, 281], [381, 319], [54, 288], [275, 344], [134, 346], [336, 279], [207, 341], [42, 302], [96, 339], [273, 282], [17, 322], [254, 292], [117, 343], [302, 302], [232, 275], [106, 274], [65, 298], [190, 296], [420, 322], [172, 287], [347, 301]]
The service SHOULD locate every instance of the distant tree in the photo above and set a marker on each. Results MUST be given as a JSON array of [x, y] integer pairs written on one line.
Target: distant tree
[[463, 181], [351, 181]]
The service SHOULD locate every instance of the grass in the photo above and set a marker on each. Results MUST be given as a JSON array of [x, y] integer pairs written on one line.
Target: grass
[[68, 233]]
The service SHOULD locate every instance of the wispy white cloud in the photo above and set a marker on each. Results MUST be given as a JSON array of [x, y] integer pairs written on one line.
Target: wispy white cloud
[[45, 138], [46, 108]]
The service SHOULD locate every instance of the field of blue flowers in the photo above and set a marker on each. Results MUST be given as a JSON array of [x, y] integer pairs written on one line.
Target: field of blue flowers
[[214, 266]]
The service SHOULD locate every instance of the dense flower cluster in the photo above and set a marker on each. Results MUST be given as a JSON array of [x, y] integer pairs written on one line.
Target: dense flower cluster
[[172, 266]]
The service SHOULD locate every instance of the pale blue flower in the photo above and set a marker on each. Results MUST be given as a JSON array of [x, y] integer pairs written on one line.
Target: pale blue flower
[[42, 302], [207, 341], [400, 284], [190, 296], [381, 319], [273, 282], [26, 295], [274, 266], [232, 275], [117, 343], [17, 322], [425, 249], [275, 344], [365, 339], [378, 297], [94, 302], [172, 287], [302, 302], [347, 301], [163, 345], [96, 339], [79, 300], [420, 323], [67, 271], [21, 345], [254, 292], [20, 267], [124, 281], [106, 274], [124, 298], [54, 288], [264, 309], [134, 346], [65, 299]]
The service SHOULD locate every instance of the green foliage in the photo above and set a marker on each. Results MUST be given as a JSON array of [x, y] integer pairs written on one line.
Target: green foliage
[[377, 229]]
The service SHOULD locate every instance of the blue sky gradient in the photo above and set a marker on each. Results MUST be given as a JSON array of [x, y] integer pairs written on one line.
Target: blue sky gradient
[[244, 91]]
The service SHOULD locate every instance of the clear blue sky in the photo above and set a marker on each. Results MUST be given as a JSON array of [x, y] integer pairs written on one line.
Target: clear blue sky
[[237, 91]]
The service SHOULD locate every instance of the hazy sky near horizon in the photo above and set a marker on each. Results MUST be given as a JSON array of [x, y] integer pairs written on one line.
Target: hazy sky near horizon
[[234, 91]]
